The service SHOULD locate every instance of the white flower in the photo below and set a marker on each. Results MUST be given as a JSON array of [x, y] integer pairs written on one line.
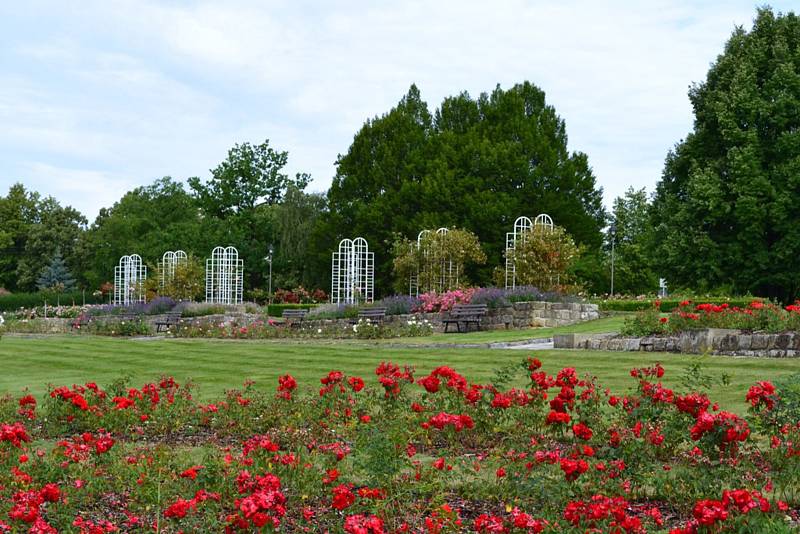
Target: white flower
[[319, 330]]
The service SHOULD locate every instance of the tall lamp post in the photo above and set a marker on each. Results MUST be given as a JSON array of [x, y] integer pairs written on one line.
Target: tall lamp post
[[613, 230], [270, 252]]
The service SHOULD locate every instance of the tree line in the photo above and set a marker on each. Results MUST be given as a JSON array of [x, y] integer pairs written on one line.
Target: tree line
[[722, 217]]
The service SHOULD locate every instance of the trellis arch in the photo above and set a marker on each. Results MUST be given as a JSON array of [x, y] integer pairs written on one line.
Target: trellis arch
[[129, 278], [543, 220], [352, 272], [447, 275], [522, 226], [224, 276], [169, 262]]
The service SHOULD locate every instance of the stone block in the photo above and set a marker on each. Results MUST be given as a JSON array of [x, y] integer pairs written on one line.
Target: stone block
[[759, 342], [783, 341], [744, 341]]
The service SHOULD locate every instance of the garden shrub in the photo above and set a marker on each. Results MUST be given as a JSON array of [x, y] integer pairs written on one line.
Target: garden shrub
[[119, 328], [756, 316], [15, 301]]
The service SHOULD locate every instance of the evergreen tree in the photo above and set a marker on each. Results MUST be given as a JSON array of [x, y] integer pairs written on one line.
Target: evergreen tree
[[56, 276], [475, 164], [725, 211]]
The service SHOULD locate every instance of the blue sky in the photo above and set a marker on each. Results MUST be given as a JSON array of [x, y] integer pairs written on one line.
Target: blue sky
[[99, 97]]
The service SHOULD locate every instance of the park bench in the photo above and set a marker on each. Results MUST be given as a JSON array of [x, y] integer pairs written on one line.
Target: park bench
[[465, 314], [375, 315], [81, 321], [168, 320], [294, 318]]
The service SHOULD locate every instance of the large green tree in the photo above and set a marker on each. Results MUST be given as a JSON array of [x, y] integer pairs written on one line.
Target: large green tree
[[240, 199], [477, 164], [725, 211], [32, 229], [18, 211], [56, 229], [633, 272], [147, 221]]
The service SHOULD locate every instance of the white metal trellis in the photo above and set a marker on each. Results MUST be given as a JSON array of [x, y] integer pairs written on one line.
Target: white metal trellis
[[448, 276], [521, 226], [413, 281], [169, 262], [544, 220], [352, 272], [129, 278], [224, 276]]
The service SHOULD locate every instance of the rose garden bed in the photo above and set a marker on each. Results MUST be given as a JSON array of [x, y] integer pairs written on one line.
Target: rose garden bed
[[401, 453]]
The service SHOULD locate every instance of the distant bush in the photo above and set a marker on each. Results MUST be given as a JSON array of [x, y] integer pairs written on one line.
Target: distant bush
[[111, 327], [15, 301], [200, 309], [333, 311], [399, 304]]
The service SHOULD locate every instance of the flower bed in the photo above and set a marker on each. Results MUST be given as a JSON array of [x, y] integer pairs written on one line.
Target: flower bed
[[259, 329], [401, 453], [756, 316]]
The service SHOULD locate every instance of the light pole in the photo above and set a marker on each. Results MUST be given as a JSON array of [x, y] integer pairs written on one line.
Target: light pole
[[613, 230], [269, 259]]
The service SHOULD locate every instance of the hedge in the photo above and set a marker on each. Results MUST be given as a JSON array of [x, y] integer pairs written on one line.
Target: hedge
[[669, 304], [15, 301]]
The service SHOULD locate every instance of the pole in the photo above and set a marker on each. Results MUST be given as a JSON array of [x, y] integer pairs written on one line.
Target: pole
[[612, 267], [270, 279], [613, 239]]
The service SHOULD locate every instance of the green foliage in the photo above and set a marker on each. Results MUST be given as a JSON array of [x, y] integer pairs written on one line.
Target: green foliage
[[475, 164], [117, 328], [787, 408], [438, 260], [544, 258], [148, 221], [725, 210], [32, 230], [249, 176], [187, 283], [633, 273], [645, 322], [15, 301]]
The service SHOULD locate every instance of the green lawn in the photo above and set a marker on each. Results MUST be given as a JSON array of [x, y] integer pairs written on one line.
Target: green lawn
[[219, 365], [607, 324]]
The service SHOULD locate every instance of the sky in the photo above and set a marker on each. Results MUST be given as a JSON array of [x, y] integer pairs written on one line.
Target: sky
[[100, 97]]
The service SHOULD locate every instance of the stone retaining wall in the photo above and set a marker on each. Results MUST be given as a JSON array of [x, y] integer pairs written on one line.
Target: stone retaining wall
[[710, 340], [518, 315]]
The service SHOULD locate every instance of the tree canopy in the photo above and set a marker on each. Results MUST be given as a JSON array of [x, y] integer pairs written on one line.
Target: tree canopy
[[725, 211], [475, 163]]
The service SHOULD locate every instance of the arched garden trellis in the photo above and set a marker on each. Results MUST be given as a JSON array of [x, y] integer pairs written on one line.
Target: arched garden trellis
[[436, 269], [169, 262], [224, 276], [129, 278], [521, 226], [352, 272]]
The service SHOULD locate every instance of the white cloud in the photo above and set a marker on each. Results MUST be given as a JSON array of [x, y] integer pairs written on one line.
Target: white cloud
[[144, 88]]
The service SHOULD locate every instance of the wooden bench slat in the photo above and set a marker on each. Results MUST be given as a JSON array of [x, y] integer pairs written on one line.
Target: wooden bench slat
[[465, 314]]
